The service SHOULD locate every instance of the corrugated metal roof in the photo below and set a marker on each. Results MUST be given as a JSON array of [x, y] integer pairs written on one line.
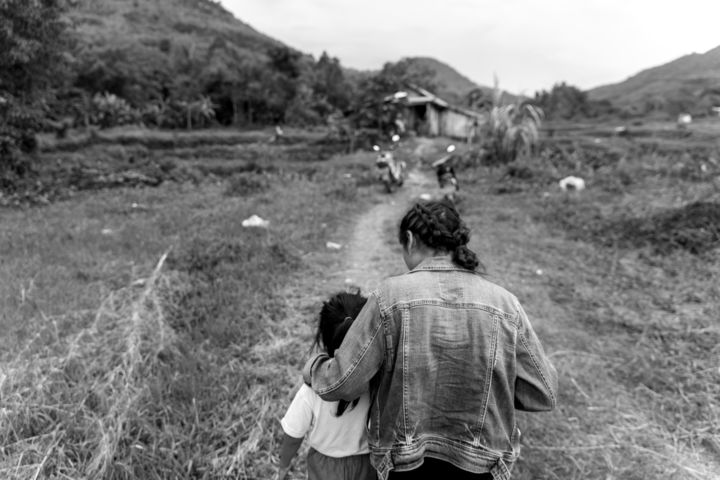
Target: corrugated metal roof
[[414, 95]]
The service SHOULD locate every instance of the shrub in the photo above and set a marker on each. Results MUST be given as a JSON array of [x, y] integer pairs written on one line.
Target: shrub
[[510, 130], [109, 110], [241, 185]]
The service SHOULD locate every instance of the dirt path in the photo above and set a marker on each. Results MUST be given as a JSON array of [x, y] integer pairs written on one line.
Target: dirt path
[[370, 253], [523, 256]]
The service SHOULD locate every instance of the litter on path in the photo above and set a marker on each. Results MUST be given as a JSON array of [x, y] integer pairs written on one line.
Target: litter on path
[[255, 221], [572, 183]]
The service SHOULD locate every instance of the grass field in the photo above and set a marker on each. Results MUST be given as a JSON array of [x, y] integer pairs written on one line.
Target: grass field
[[147, 334]]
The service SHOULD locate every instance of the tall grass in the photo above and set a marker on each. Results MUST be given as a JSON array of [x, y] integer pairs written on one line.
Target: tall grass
[[624, 309], [182, 371], [511, 129]]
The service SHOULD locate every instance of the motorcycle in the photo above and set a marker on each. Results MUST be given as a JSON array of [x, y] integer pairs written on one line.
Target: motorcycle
[[390, 171], [445, 171]]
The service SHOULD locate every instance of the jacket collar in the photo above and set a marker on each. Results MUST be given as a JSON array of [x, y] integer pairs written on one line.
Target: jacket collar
[[443, 262]]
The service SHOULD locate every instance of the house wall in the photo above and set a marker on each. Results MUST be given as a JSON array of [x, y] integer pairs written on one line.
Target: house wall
[[457, 125], [432, 119]]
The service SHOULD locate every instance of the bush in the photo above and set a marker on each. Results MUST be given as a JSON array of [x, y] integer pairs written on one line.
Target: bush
[[241, 185], [510, 130], [109, 110]]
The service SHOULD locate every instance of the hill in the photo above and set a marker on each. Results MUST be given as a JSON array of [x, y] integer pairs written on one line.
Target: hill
[[164, 25], [689, 83], [451, 84], [136, 48]]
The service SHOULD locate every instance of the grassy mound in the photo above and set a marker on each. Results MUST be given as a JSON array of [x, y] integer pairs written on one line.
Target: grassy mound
[[694, 228]]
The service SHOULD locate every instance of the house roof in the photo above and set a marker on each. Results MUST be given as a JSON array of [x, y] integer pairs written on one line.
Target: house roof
[[415, 95]]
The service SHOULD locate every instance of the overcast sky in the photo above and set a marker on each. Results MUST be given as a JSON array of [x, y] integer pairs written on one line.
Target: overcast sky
[[529, 44]]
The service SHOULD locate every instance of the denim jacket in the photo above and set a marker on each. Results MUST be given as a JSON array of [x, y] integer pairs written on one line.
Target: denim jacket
[[449, 357]]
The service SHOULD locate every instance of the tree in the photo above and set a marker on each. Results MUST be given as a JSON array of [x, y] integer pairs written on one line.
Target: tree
[[330, 88], [34, 47], [479, 99], [368, 108], [564, 102]]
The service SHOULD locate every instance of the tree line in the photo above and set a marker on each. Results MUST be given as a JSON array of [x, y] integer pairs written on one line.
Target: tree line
[[52, 81]]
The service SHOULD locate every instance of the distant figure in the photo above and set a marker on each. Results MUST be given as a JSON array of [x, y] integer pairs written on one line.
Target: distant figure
[[400, 124], [278, 135], [472, 131]]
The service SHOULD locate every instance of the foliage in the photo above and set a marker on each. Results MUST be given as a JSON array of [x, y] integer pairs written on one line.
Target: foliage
[[510, 130], [479, 99], [368, 108], [110, 110], [33, 44], [565, 102]]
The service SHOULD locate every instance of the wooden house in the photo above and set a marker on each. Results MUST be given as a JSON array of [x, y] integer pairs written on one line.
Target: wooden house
[[428, 115]]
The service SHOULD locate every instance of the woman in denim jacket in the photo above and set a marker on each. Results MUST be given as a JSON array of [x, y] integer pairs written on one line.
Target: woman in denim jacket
[[449, 357]]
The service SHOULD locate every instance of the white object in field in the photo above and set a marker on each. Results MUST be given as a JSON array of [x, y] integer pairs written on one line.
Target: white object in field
[[684, 119], [333, 246], [425, 196], [395, 137], [539, 271], [572, 183], [255, 221], [450, 149]]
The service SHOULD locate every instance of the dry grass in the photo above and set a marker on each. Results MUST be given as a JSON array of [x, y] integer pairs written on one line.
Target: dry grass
[[185, 373], [631, 324]]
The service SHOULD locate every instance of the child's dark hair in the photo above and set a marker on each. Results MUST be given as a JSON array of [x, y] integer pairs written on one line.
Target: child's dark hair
[[438, 225], [336, 316]]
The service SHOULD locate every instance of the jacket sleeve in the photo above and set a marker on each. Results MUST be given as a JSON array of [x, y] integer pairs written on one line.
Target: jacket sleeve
[[536, 383], [346, 375]]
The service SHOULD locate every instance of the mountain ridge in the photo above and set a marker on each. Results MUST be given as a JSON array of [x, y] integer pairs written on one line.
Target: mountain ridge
[[689, 82]]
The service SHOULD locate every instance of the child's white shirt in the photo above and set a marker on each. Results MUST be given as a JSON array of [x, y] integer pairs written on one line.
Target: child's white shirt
[[330, 435]]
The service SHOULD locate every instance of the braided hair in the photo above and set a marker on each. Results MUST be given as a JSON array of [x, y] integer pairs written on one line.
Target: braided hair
[[438, 225], [336, 316]]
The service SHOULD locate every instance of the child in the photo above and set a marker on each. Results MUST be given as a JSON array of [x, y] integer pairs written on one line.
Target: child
[[336, 431]]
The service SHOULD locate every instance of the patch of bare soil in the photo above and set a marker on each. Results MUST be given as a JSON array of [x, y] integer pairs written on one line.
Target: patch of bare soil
[[369, 257]]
